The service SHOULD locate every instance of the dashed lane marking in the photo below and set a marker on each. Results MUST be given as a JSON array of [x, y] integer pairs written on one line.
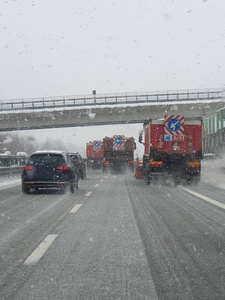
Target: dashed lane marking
[[101, 180], [88, 194], [75, 208], [203, 197], [97, 185], [40, 250]]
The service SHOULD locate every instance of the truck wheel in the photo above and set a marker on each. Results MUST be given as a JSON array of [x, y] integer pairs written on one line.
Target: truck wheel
[[195, 179], [148, 177]]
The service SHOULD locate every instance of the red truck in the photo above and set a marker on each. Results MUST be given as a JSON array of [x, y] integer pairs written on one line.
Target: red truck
[[94, 153], [172, 149], [118, 153]]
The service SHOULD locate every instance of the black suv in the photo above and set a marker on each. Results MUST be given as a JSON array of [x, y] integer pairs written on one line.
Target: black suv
[[79, 163], [48, 170]]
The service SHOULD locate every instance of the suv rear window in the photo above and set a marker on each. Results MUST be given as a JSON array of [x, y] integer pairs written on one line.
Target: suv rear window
[[47, 159], [74, 157]]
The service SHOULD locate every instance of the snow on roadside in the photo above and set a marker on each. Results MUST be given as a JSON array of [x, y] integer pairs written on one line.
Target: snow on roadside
[[6, 182], [213, 172]]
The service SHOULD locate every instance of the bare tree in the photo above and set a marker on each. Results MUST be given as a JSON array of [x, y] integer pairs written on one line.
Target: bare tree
[[14, 143], [50, 144]]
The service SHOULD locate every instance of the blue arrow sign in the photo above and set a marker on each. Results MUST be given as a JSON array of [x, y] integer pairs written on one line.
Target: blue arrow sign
[[97, 144], [174, 124], [118, 140]]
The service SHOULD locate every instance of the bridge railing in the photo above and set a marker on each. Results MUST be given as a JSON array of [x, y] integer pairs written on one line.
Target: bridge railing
[[111, 99]]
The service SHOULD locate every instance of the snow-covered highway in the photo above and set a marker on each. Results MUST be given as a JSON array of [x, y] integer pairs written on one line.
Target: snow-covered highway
[[115, 238]]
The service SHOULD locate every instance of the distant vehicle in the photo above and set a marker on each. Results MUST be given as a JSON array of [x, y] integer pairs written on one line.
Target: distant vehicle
[[118, 153], [173, 149], [48, 170], [79, 163], [94, 153]]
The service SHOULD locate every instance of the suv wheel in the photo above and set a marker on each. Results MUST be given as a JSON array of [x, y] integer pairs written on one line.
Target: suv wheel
[[72, 186], [25, 189]]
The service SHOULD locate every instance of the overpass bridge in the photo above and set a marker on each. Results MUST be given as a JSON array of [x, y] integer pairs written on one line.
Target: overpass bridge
[[92, 110]]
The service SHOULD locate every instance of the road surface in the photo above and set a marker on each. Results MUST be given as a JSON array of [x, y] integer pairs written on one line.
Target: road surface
[[114, 238]]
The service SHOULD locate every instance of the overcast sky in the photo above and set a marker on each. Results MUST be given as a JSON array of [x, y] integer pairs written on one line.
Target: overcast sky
[[71, 47]]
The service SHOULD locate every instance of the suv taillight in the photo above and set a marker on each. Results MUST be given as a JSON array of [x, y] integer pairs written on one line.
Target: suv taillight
[[28, 168], [63, 168]]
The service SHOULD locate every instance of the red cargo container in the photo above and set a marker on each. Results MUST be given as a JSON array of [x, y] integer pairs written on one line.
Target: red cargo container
[[173, 147]]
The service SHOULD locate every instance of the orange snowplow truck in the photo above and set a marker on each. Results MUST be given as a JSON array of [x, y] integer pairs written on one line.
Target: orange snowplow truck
[[172, 149], [118, 153], [94, 153]]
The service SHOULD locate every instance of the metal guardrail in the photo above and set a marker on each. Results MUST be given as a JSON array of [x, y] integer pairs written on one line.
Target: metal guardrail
[[110, 99], [11, 171]]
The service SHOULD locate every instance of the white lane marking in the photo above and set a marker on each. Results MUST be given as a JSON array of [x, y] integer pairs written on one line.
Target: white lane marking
[[106, 177], [75, 208], [97, 185], [88, 194], [40, 250], [101, 180], [204, 197]]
